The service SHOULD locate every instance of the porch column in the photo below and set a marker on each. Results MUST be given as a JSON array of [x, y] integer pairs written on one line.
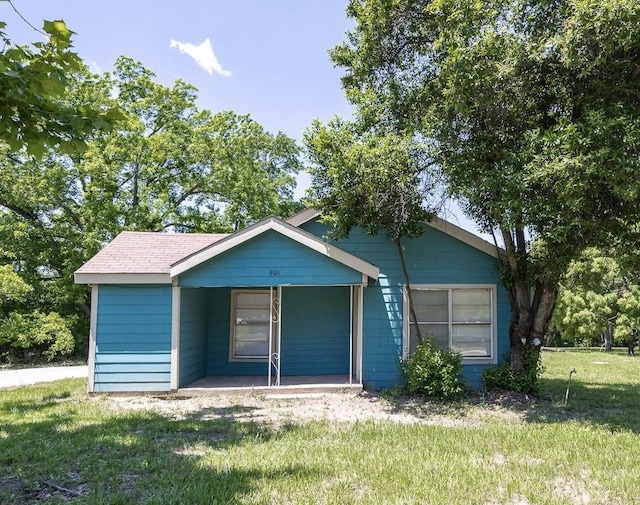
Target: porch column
[[356, 325], [175, 335], [93, 326]]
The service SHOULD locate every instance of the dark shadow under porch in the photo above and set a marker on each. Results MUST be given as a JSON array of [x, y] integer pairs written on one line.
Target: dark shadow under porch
[[288, 384]]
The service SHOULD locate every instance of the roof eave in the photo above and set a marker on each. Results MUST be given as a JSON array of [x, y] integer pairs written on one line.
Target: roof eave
[[285, 229], [464, 236], [437, 223], [121, 278]]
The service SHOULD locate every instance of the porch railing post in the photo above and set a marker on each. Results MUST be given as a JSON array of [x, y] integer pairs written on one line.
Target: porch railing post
[[175, 336], [351, 323], [270, 335]]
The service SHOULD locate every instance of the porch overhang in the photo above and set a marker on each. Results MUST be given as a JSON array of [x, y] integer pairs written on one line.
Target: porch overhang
[[274, 224]]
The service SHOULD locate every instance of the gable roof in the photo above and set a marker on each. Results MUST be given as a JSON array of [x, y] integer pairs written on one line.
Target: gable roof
[[436, 223], [278, 225], [147, 255], [157, 258]]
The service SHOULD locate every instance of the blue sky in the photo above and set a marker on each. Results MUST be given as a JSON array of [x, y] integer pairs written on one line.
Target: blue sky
[[270, 56], [273, 53], [276, 51]]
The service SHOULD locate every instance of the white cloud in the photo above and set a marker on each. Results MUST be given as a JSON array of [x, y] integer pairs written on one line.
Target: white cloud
[[94, 68], [203, 55]]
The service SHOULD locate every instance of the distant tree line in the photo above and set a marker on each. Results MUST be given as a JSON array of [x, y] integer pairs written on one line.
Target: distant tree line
[[86, 156]]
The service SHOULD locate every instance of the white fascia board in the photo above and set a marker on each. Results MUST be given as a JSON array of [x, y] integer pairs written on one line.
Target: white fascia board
[[303, 217], [333, 252], [121, 278], [437, 223], [463, 235], [219, 247], [288, 230]]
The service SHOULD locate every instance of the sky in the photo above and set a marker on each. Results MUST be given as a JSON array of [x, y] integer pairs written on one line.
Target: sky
[[266, 58]]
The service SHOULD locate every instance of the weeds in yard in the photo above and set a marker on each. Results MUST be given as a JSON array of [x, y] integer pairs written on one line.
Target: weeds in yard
[[59, 446]]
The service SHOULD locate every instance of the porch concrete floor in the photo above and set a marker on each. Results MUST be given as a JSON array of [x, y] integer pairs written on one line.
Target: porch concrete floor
[[290, 384]]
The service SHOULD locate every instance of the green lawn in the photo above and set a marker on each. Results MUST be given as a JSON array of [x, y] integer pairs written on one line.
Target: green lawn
[[58, 446]]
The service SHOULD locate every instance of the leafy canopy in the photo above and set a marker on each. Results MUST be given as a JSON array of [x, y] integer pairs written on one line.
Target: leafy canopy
[[599, 288], [33, 83], [367, 179], [533, 106], [164, 166], [532, 111]]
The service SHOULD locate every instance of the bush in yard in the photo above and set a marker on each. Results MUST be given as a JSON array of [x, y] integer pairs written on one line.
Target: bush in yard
[[35, 334], [433, 372], [502, 377]]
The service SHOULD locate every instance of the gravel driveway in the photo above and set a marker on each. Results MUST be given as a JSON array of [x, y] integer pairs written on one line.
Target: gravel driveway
[[24, 376]]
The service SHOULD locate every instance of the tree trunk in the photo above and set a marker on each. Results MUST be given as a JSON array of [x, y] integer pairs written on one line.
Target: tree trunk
[[531, 306], [530, 321], [405, 273], [608, 337]]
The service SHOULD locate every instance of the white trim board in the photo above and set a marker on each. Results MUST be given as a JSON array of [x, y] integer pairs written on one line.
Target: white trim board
[[273, 223], [93, 327], [463, 236], [121, 278], [176, 302], [436, 223]]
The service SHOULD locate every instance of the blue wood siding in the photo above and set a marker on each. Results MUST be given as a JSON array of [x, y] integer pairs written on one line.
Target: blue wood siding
[[193, 335], [315, 331], [270, 259], [133, 338], [433, 258]]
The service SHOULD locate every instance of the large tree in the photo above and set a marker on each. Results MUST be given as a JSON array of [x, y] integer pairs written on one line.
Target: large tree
[[533, 111], [599, 295], [376, 180], [165, 166]]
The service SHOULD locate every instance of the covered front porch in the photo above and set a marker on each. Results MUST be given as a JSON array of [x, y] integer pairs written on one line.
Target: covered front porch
[[268, 306], [305, 338]]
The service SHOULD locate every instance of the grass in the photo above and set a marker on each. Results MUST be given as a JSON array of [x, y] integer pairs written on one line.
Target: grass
[[59, 446]]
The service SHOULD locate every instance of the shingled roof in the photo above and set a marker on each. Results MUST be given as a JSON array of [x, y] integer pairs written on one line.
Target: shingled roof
[[157, 258], [145, 252]]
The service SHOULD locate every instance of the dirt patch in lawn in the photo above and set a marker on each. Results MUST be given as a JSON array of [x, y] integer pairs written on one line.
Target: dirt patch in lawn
[[346, 407]]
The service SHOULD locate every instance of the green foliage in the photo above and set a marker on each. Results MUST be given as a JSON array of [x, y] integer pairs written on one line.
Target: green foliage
[[433, 372], [35, 334], [504, 378], [531, 110], [12, 287], [378, 181], [33, 83], [599, 288], [164, 166]]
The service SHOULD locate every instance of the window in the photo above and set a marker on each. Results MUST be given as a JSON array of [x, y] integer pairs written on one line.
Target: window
[[250, 324], [457, 318]]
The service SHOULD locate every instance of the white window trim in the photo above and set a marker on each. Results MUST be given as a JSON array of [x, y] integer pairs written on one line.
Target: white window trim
[[232, 336], [492, 360]]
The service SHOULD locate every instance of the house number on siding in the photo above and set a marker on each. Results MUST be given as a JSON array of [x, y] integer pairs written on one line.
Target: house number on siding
[[274, 273]]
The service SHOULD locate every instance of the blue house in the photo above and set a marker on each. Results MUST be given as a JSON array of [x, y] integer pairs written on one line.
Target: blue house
[[278, 304]]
